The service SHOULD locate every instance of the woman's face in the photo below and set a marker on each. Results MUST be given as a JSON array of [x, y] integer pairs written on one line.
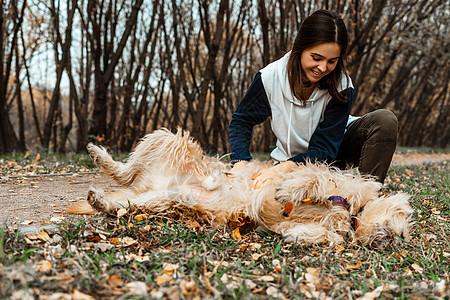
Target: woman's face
[[320, 60]]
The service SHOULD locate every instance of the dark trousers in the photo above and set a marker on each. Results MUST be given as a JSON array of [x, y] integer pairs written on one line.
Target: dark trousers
[[369, 144]]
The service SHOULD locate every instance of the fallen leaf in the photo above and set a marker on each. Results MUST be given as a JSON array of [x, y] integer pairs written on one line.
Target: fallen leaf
[[26, 222], [256, 256], [435, 211], [43, 236], [268, 278], [125, 242], [140, 217], [407, 272], [37, 158], [115, 280], [236, 234], [277, 265], [121, 212], [43, 266], [128, 241], [273, 291], [354, 266], [417, 268], [340, 248], [188, 287], [377, 292], [224, 278], [137, 288], [57, 219], [307, 201], [81, 296], [170, 268], [162, 279], [312, 276], [402, 254], [288, 208]]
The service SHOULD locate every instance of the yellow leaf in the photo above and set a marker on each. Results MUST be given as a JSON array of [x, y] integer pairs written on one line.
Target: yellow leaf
[[307, 201], [37, 158], [354, 266], [43, 236], [114, 240], [236, 234], [170, 268], [140, 217]]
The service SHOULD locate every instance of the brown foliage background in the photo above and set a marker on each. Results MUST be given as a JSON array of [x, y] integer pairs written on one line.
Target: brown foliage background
[[112, 70]]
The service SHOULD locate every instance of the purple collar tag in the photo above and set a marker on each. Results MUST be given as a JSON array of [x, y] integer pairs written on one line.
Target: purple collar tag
[[339, 200]]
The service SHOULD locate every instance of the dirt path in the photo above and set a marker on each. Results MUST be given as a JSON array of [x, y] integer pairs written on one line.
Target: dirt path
[[30, 201]]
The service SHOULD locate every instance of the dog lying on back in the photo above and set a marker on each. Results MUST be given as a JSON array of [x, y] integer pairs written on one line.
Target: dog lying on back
[[312, 203]]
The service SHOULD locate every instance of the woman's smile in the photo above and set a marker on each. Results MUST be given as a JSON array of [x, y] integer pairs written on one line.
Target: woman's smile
[[320, 60]]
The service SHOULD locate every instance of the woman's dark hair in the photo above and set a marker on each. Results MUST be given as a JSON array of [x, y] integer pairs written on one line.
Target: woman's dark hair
[[322, 26]]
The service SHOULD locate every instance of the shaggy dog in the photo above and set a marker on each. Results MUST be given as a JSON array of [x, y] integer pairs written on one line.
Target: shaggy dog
[[312, 203]]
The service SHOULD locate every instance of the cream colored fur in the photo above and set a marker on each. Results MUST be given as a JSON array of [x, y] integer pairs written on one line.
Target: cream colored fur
[[170, 171]]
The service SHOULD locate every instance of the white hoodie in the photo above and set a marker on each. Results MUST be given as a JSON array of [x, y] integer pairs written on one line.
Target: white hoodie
[[292, 122]]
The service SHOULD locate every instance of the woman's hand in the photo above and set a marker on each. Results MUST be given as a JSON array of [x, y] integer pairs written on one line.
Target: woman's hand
[[236, 167], [266, 176]]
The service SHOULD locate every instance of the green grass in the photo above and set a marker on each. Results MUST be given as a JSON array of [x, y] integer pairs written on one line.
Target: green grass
[[208, 263]]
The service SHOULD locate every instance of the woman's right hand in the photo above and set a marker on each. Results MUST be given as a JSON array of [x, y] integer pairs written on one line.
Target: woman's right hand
[[236, 167]]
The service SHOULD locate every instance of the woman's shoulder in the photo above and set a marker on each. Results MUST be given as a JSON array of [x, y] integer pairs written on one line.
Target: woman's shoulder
[[346, 82], [277, 65]]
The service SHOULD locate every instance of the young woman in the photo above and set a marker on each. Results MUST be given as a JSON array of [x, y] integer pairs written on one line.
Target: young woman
[[308, 96]]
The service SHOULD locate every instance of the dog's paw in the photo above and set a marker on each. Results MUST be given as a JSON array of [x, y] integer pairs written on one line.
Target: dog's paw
[[98, 154], [93, 152], [95, 199]]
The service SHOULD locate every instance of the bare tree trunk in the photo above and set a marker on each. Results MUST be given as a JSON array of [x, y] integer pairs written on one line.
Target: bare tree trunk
[[212, 41], [8, 138], [20, 113], [104, 74]]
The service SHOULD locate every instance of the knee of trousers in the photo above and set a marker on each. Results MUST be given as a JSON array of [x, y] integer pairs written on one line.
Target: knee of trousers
[[386, 124]]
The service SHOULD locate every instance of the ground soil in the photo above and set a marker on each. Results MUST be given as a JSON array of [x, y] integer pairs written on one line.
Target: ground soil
[[31, 201]]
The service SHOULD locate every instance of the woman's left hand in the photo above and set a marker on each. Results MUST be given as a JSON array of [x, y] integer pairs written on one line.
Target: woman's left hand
[[266, 176]]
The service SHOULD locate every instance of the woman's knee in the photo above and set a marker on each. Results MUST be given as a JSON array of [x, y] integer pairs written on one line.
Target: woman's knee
[[385, 122]]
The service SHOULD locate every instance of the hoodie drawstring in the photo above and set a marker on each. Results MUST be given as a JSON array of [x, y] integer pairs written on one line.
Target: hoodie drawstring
[[290, 124], [289, 131]]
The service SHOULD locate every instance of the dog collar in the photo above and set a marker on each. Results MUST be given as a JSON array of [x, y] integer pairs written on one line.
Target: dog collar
[[339, 200], [354, 218]]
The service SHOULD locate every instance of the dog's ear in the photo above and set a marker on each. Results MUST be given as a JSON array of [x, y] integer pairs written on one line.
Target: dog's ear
[[80, 208]]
